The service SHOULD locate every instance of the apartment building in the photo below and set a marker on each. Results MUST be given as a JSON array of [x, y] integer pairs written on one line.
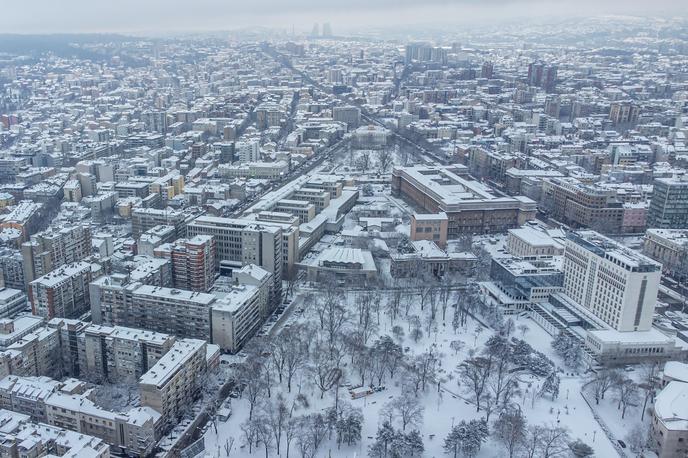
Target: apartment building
[[242, 306], [669, 204], [244, 241], [25, 218], [69, 405], [143, 219], [63, 292], [470, 206], [173, 383], [119, 354], [12, 301], [154, 237], [21, 437], [618, 285], [51, 249], [193, 262], [172, 311], [12, 268], [36, 353], [624, 113]]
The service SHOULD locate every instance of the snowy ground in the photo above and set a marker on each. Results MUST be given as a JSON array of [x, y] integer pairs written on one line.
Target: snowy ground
[[443, 408]]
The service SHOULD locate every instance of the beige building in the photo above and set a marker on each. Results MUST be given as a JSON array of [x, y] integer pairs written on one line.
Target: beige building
[[172, 384], [667, 246], [670, 421], [431, 227], [528, 242]]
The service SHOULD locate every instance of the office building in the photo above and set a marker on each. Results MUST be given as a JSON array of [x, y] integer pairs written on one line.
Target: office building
[[582, 205], [669, 204], [349, 115], [470, 206], [616, 284], [243, 241]]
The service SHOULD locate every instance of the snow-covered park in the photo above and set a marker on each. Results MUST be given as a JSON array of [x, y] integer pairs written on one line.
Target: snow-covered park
[[433, 374]]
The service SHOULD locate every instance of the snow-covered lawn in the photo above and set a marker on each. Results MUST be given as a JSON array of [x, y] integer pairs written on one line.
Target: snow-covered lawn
[[443, 407]]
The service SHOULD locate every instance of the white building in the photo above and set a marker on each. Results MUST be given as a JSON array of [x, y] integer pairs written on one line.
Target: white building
[[248, 151], [618, 285]]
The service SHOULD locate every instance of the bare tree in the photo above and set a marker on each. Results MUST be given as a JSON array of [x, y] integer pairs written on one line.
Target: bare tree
[[627, 394], [474, 374], [408, 409], [384, 159], [322, 369], [546, 442], [510, 430], [250, 378], [250, 434], [277, 416], [291, 429], [647, 383], [264, 434], [296, 341], [502, 379], [304, 440], [456, 345], [602, 382], [363, 160], [229, 445], [393, 305], [639, 439]]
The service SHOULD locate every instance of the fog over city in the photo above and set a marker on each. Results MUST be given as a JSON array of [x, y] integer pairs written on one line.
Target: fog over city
[[157, 16]]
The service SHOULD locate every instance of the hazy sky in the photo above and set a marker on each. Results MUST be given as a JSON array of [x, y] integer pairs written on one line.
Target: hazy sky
[[141, 16]]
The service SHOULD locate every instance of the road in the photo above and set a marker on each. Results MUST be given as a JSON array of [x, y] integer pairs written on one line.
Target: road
[[402, 137]]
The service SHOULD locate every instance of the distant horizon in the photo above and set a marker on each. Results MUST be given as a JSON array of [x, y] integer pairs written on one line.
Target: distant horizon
[[155, 17]]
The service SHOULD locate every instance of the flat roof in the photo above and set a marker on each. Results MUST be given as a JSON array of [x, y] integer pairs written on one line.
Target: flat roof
[[172, 361]]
